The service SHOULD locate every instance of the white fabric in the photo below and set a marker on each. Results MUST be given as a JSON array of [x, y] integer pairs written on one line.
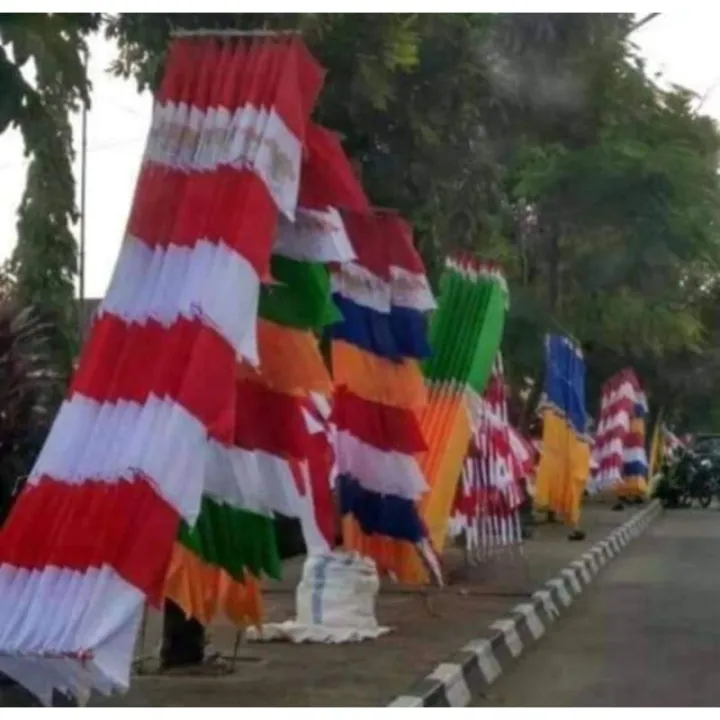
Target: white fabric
[[389, 473], [634, 455], [335, 603], [313, 424], [225, 486], [112, 441], [165, 283], [411, 290], [264, 483], [275, 157], [36, 625], [253, 138], [48, 614], [605, 478], [316, 236], [265, 479], [611, 448], [358, 284], [321, 404]]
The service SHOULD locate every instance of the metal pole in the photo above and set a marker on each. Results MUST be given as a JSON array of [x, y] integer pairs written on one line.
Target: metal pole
[[83, 185], [208, 32]]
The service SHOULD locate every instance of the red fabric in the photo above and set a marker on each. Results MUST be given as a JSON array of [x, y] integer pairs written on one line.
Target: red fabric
[[490, 459], [174, 206], [371, 250], [483, 503], [327, 178], [527, 466], [125, 525], [614, 461], [320, 462], [398, 234], [299, 85], [188, 362], [634, 439], [270, 421], [624, 376], [251, 219], [382, 426]]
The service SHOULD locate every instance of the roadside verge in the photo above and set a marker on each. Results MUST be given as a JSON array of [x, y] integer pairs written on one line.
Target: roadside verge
[[479, 663]]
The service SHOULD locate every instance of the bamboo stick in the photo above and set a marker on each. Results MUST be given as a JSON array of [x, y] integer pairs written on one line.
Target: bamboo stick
[[209, 32]]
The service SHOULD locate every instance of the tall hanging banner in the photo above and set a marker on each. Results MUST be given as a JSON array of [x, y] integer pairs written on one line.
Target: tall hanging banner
[[565, 457], [635, 460], [488, 495], [465, 334], [620, 459], [136, 463], [383, 296]]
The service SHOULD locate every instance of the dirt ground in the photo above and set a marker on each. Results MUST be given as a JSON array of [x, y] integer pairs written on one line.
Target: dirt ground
[[371, 673]]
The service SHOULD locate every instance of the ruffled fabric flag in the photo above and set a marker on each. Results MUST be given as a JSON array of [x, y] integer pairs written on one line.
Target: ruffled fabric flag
[[465, 335], [376, 349], [489, 493], [296, 309], [91, 538], [565, 456], [671, 442], [617, 404], [295, 306], [635, 460]]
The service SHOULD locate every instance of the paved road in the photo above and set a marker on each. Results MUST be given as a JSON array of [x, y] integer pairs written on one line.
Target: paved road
[[647, 633]]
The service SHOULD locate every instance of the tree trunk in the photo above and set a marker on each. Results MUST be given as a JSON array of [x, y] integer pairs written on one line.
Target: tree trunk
[[553, 271], [183, 639]]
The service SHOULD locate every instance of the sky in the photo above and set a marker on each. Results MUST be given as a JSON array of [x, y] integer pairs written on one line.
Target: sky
[[679, 45]]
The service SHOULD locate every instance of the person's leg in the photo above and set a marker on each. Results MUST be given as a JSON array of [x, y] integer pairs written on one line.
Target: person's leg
[[574, 499], [526, 513], [13, 694], [183, 639]]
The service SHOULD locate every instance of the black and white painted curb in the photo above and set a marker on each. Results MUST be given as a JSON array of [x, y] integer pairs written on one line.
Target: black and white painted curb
[[480, 662]]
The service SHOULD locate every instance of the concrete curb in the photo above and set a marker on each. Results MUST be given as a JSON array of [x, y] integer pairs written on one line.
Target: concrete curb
[[480, 662]]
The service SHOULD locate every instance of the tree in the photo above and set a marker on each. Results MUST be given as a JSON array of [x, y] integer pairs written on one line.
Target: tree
[[45, 258], [409, 95], [635, 216], [27, 386]]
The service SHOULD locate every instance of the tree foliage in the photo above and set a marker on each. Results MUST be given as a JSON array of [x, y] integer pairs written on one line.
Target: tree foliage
[[44, 80], [27, 388], [539, 140]]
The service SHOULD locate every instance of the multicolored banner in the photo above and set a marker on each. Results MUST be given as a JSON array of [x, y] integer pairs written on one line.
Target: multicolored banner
[[635, 461], [565, 455], [465, 334], [489, 492], [619, 449], [383, 296], [165, 464]]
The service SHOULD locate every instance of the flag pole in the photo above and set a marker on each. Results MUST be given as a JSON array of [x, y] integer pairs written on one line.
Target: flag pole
[[83, 208], [214, 32]]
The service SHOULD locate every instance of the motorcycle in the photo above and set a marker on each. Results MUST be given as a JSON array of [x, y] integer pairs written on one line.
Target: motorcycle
[[687, 478]]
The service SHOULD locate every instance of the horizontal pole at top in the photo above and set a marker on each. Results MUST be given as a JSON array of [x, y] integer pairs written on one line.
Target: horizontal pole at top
[[230, 33]]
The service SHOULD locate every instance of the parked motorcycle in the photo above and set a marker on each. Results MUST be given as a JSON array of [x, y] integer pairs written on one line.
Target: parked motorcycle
[[687, 478]]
